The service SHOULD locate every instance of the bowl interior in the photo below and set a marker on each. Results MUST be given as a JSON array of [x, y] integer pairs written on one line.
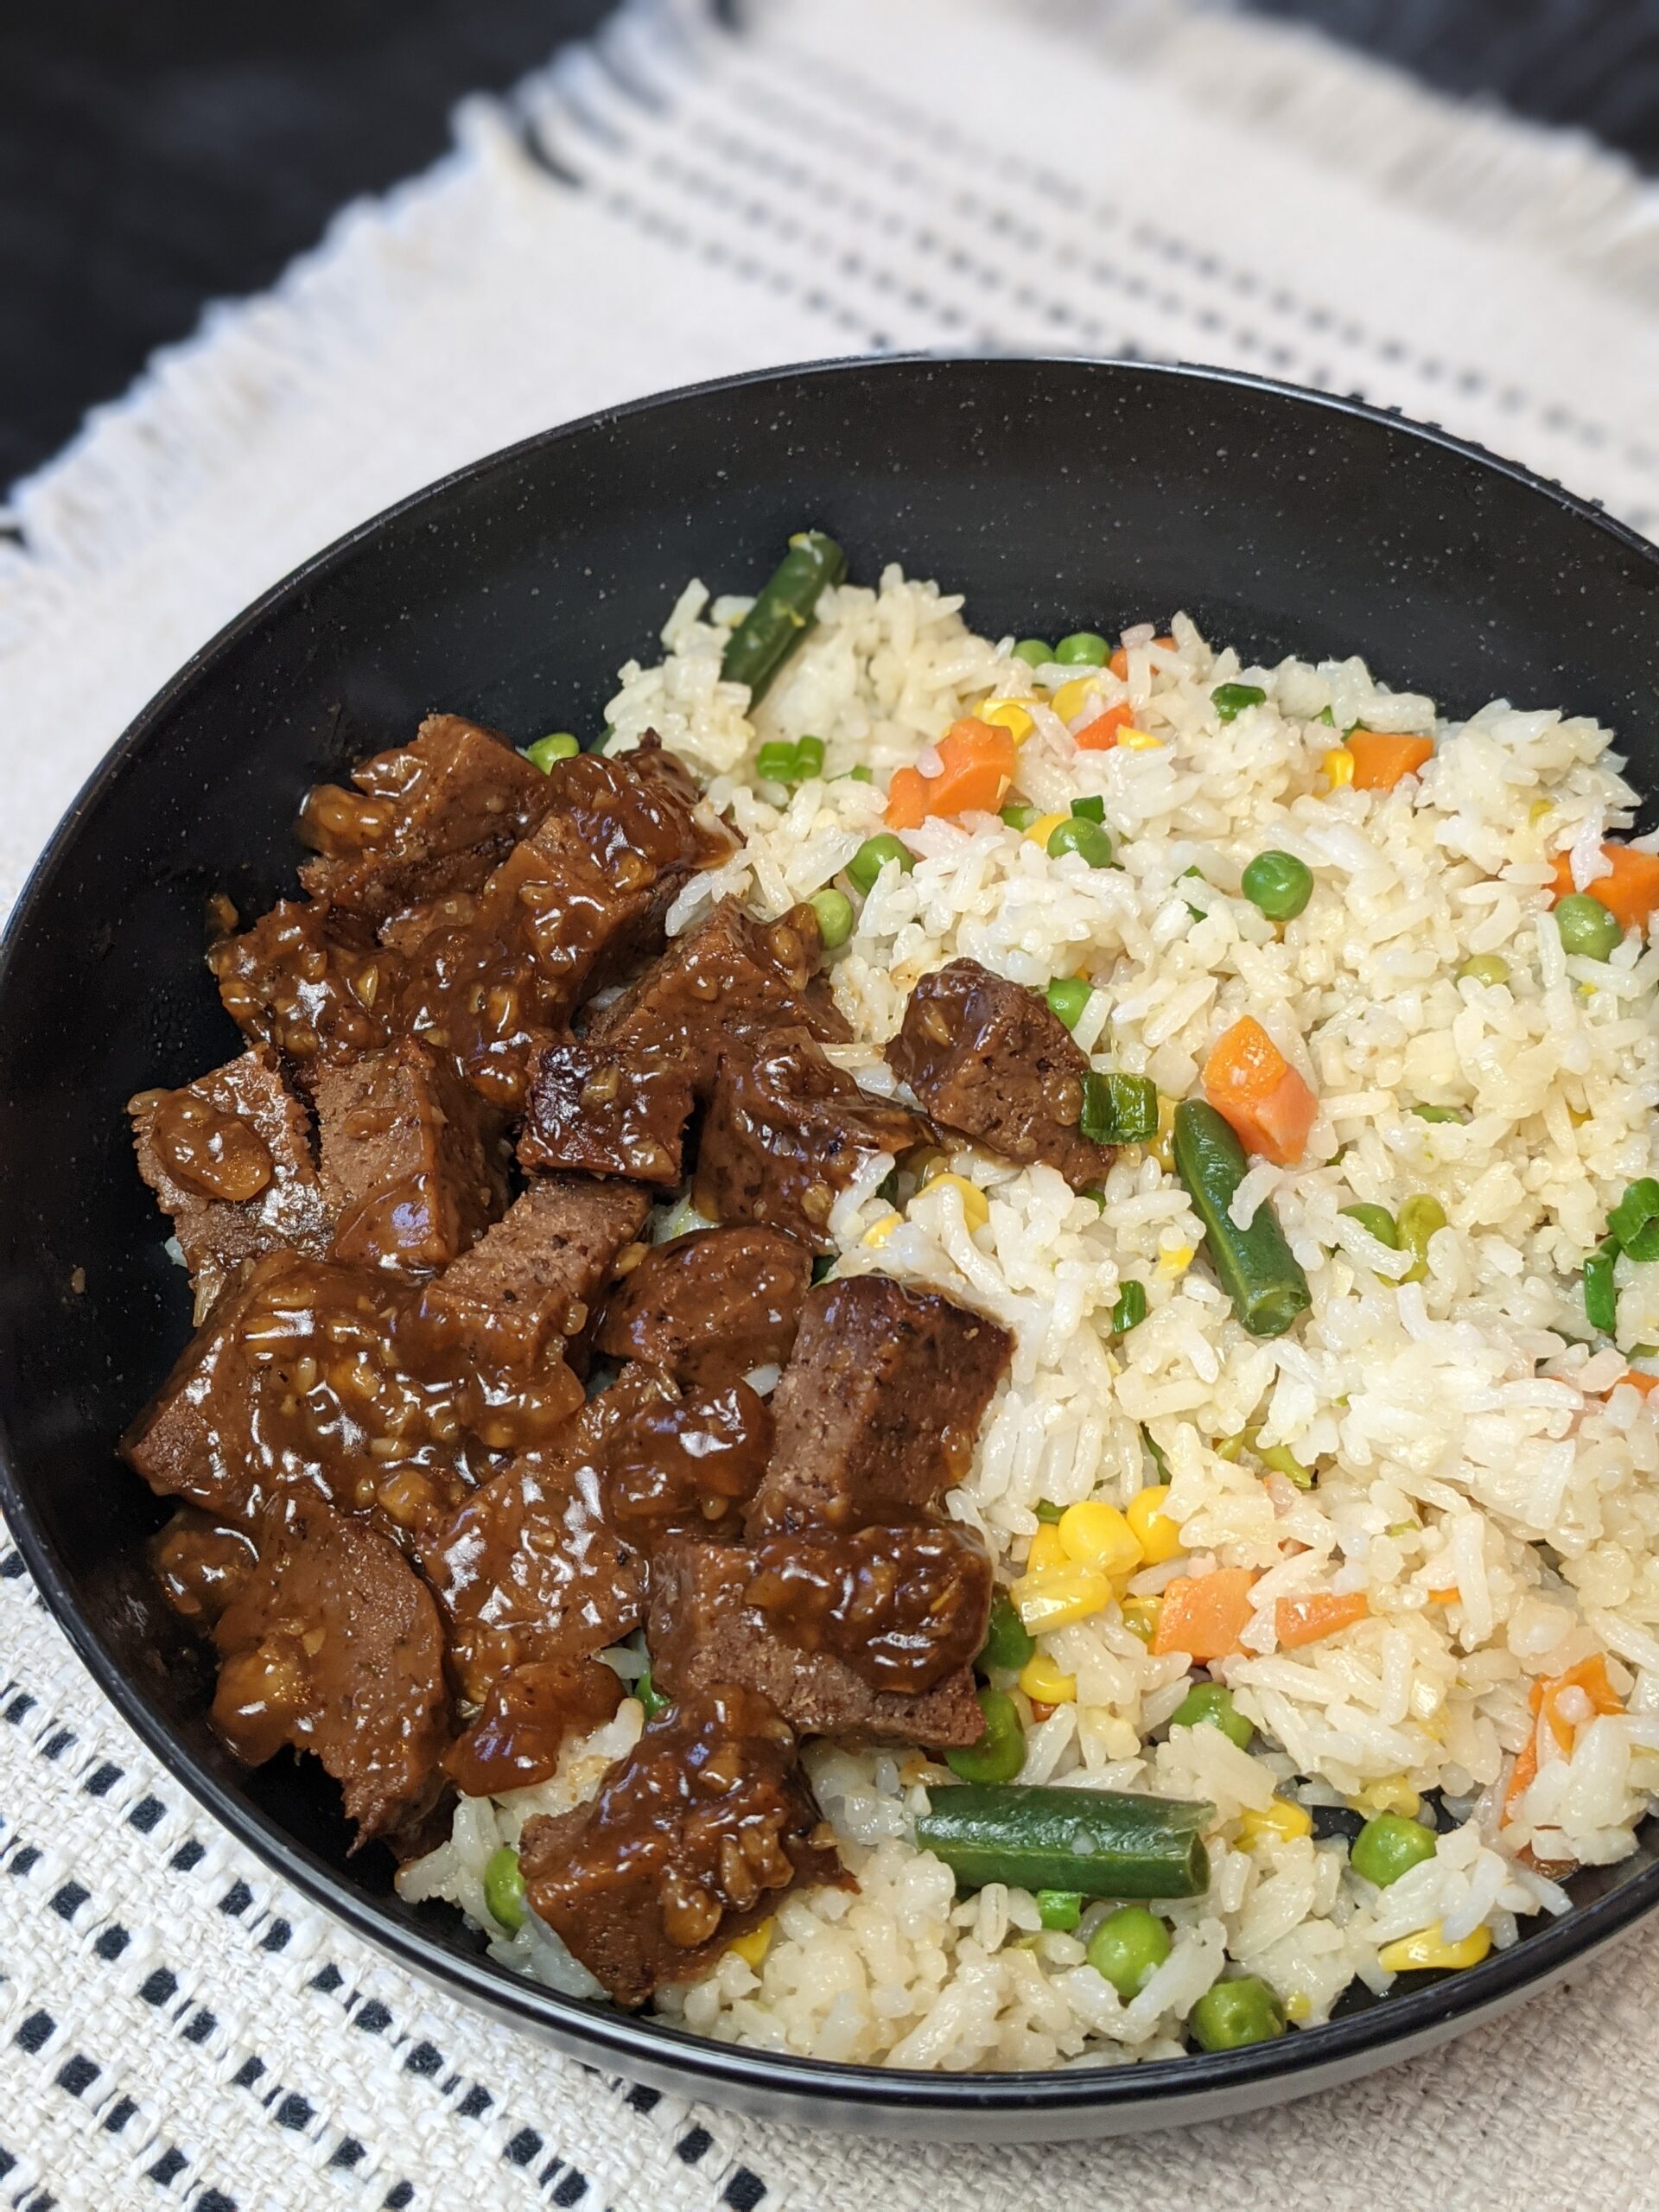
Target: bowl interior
[[1055, 495]]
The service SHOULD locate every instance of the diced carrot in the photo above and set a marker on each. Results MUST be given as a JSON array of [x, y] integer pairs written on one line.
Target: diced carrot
[[1100, 734], [1203, 1614], [1382, 760], [1119, 662], [906, 799], [1632, 891], [1304, 1620], [1645, 1383], [1590, 1676], [1251, 1084], [975, 768], [1447, 1596]]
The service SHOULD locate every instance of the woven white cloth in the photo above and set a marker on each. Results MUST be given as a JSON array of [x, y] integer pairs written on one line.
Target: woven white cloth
[[675, 201]]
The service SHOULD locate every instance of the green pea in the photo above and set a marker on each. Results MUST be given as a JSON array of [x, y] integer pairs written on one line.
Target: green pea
[[1128, 1948], [1232, 699], [1036, 652], [1083, 649], [1418, 1220], [1389, 1847], [1087, 839], [1378, 1220], [1231, 2014], [1437, 1113], [1485, 967], [1206, 1704], [1130, 1310], [872, 856], [1092, 808], [1326, 717], [1067, 996], [1278, 884], [1001, 1752], [1018, 816], [1587, 927], [1007, 1643], [650, 1696], [504, 1889], [547, 750], [1061, 1909], [1048, 1512], [859, 775], [834, 912]]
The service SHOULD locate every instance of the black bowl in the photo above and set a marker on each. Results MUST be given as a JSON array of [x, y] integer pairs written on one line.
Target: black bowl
[[1056, 494]]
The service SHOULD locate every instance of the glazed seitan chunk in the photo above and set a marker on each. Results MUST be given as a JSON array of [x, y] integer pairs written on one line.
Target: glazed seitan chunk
[[425, 818], [229, 1159], [786, 1134], [991, 1063], [709, 1306], [691, 1842], [333, 1644], [906, 1604], [606, 1113], [309, 980], [879, 1408], [411, 1159], [538, 1273], [528, 1716]]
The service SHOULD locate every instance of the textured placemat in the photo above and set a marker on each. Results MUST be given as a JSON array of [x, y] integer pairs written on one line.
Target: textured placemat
[[672, 203]]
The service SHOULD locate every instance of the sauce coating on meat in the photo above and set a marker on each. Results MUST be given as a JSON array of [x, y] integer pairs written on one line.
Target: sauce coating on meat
[[201, 1564], [903, 1607], [612, 1113], [991, 1063], [309, 981], [691, 1841], [333, 1644], [527, 1717], [690, 1462], [709, 1306]]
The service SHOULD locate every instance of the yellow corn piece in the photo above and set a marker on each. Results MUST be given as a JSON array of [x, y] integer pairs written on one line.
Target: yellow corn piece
[[1097, 1534], [1047, 1550], [1281, 1818], [754, 1947], [1070, 699], [1011, 714], [1394, 1794], [975, 1206], [1059, 1596], [1138, 740], [1540, 810], [1175, 1262], [1428, 1948], [1045, 826], [1299, 2008], [1162, 1146], [1141, 1617], [1338, 766], [879, 1231], [1042, 1680], [1159, 1537]]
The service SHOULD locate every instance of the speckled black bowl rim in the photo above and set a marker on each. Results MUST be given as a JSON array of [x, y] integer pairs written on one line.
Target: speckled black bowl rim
[[1147, 2092]]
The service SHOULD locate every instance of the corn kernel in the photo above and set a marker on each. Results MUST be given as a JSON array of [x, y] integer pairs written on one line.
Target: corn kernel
[[1281, 1818], [1047, 1550], [879, 1231], [1059, 1596], [1097, 1534], [1011, 714], [1138, 740], [752, 1947], [1338, 766], [1141, 1617], [1540, 810], [1428, 1948], [1176, 1261], [1394, 1794], [1070, 699], [1043, 1682], [975, 1206], [1045, 826], [1299, 2008], [1159, 1537], [1162, 1147]]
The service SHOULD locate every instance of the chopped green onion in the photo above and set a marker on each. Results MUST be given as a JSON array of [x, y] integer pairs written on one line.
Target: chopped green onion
[[1326, 715], [650, 1696], [1600, 1291], [1007, 1642], [779, 762], [1092, 808], [1437, 1113], [1156, 1450], [1130, 1310], [1634, 1221], [1067, 996], [1018, 816], [1059, 1909], [547, 751], [1118, 1108], [1232, 699], [859, 775]]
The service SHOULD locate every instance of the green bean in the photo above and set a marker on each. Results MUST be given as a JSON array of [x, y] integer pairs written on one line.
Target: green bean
[[998, 1753], [872, 856], [1059, 1909], [1600, 1291], [1007, 1641], [547, 752], [504, 1889], [1232, 699], [1389, 1847], [1128, 1948], [1231, 2014], [1208, 1705], [834, 912], [1419, 1219], [1254, 1266], [780, 617], [1118, 1108], [1103, 1843]]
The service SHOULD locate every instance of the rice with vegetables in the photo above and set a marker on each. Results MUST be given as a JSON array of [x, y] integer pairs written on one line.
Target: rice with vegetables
[[1373, 1578]]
